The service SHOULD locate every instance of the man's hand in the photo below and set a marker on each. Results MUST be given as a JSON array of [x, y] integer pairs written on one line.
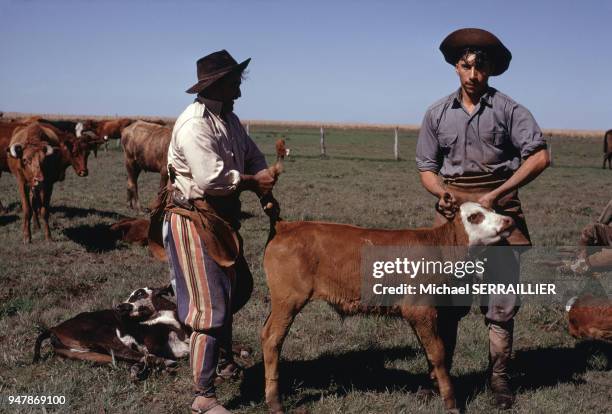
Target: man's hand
[[447, 205], [489, 200], [264, 182]]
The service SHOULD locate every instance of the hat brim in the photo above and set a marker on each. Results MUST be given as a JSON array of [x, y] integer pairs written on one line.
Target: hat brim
[[455, 43], [206, 82]]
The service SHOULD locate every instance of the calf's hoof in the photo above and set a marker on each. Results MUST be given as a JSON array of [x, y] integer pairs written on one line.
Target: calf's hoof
[[504, 398], [274, 406], [139, 371], [426, 394]]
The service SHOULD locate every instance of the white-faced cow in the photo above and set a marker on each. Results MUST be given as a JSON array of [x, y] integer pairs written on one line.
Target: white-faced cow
[[146, 149]]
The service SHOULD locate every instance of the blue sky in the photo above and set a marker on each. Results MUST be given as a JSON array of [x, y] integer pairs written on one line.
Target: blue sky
[[340, 61]]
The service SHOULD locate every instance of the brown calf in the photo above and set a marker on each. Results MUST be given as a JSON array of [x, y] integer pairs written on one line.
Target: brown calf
[[142, 330], [146, 149], [313, 260]]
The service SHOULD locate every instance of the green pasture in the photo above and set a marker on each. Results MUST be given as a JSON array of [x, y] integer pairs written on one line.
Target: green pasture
[[330, 364]]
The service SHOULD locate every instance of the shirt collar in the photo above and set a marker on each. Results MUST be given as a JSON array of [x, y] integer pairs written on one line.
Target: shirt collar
[[485, 98], [213, 106]]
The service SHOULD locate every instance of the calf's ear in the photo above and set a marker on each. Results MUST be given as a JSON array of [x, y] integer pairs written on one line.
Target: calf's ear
[[16, 151]]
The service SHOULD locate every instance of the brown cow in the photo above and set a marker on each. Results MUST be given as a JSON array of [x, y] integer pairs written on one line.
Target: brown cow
[[6, 132], [314, 260], [110, 129], [38, 157], [131, 230], [607, 149], [590, 317], [146, 149]]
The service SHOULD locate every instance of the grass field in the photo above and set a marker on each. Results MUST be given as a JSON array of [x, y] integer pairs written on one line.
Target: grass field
[[330, 365]]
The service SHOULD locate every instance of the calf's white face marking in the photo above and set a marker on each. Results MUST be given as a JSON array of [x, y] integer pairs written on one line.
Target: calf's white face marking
[[141, 300], [78, 129], [483, 226]]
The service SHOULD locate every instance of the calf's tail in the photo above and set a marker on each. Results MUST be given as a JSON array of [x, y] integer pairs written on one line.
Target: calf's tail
[[44, 335]]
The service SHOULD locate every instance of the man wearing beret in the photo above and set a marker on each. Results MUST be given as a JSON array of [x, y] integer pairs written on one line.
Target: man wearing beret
[[480, 145], [211, 160]]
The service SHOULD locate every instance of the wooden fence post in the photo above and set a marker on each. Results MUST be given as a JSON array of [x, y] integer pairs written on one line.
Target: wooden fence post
[[323, 153], [396, 146], [550, 153]]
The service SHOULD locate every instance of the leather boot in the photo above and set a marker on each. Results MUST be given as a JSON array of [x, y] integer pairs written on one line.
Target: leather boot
[[500, 351]]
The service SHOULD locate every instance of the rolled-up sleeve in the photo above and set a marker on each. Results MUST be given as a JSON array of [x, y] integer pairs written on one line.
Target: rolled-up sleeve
[[201, 151], [428, 151], [525, 132]]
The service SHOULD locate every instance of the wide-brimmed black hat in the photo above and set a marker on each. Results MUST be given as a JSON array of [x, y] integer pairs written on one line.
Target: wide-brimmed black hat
[[213, 67], [455, 43]]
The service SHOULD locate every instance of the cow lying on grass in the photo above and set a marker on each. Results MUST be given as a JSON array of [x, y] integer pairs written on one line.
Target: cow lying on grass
[[590, 317], [312, 260], [143, 330]]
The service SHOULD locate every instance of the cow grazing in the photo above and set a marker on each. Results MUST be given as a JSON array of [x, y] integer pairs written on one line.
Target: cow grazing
[[146, 149], [143, 330], [590, 317], [38, 157], [313, 260], [607, 149]]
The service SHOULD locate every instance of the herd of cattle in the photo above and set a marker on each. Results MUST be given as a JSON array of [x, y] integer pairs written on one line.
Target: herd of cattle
[[38, 152]]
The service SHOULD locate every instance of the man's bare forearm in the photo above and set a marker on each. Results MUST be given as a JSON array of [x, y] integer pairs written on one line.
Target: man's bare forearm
[[530, 169], [431, 182]]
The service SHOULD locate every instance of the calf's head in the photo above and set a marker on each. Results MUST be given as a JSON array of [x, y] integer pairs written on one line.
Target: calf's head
[[32, 157], [483, 226], [146, 302]]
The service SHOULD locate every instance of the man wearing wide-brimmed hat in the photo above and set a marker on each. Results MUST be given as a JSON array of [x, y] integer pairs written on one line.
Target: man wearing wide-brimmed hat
[[480, 145], [211, 159]]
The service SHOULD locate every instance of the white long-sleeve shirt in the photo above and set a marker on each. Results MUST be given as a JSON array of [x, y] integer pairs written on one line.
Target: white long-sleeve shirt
[[209, 154]]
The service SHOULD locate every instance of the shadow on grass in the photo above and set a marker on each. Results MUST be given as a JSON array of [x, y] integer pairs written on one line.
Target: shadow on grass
[[365, 371], [354, 370], [97, 238], [8, 219], [71, 212], [245, 215]]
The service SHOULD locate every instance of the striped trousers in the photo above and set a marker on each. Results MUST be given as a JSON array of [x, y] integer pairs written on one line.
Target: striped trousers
[[204, 298]]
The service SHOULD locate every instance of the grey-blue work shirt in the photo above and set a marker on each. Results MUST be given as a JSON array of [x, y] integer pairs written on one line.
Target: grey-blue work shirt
[[492, 139]]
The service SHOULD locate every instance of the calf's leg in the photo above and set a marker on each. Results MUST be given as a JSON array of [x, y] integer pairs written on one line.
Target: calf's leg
[[273, 334], [133, 171], [45, 198], [27, 210], [425, 326]]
